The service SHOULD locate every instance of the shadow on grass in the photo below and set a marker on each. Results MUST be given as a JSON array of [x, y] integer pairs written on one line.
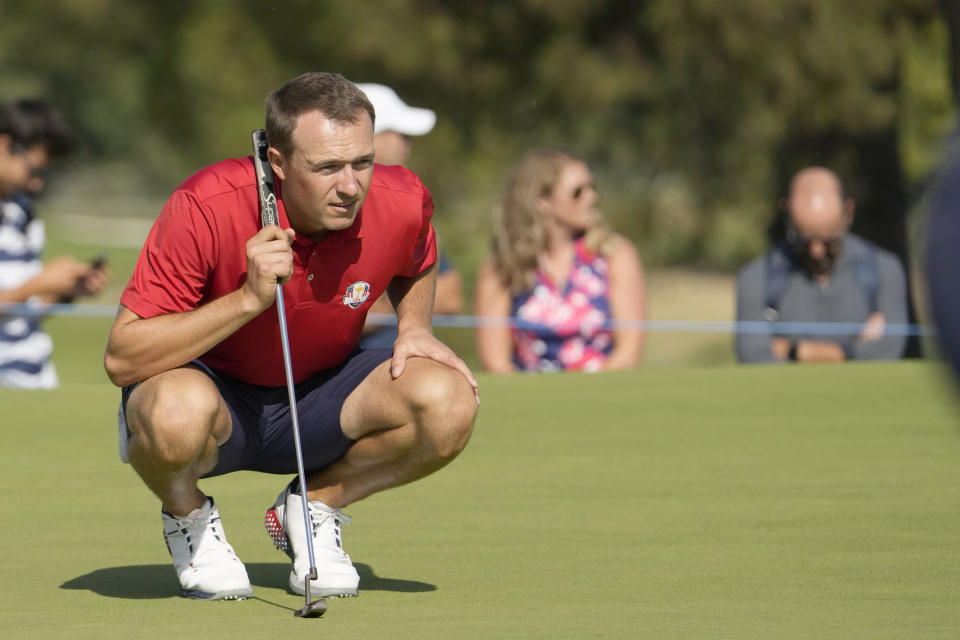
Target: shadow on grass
[[369, 581], [145, 581], [155, 581]]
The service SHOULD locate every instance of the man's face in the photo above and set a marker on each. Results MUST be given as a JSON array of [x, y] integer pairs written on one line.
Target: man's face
[[21, 169], [327, 174], [392, 147], [817, 221]]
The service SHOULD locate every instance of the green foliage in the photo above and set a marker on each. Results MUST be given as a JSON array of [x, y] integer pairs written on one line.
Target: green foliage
[[691, 112], [925, 100]]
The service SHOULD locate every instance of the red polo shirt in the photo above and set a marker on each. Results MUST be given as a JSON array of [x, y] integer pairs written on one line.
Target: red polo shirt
[[195, 253]]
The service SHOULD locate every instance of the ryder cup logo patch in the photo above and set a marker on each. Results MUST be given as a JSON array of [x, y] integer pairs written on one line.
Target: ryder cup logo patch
[[357, 294]]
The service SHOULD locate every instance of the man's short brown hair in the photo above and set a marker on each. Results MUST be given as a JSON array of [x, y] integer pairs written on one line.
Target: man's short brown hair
[[331, 94]]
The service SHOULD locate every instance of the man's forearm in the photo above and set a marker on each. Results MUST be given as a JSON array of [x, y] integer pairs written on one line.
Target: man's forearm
[[819, 351], [13, 296], [139, 348], [806, 350], [413, 300], [36, 288]]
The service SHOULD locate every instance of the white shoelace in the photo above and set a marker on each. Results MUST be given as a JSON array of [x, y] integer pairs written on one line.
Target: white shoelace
[[318, 516], [193, 531]]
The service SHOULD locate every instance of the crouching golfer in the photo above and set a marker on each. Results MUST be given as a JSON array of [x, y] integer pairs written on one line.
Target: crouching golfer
[[199, 356]]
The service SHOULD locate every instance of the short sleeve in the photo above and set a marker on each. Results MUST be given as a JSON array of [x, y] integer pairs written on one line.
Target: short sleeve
[[176, 261], [425, 250]]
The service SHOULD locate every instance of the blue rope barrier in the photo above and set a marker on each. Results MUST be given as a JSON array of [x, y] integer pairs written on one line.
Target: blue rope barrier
[[472, 322], [685, 326]]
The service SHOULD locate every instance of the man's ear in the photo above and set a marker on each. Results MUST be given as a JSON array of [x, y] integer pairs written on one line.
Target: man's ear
[[276, 162], [849, 206], [5, 142]]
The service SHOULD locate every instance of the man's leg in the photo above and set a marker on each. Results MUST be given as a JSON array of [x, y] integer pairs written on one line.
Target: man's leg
[[404, 429], [177, 421]]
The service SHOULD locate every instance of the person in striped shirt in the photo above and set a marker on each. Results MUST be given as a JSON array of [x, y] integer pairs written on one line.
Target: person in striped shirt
[[32, 136]]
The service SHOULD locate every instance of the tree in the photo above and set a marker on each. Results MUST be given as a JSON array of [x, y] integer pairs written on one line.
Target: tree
[[692, 112]]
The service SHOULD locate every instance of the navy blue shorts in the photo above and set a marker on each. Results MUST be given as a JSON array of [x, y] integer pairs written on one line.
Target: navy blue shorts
[[262, 436]]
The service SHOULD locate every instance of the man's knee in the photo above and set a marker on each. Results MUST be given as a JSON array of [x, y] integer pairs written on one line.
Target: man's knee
[[173, 415], [444, 403]]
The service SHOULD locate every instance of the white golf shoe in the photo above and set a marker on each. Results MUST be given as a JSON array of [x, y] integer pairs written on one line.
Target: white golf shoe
[[336, 575], [206, 565]]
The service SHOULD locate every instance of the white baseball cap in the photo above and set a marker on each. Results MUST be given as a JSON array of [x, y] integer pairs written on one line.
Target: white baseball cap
[[393, 114]]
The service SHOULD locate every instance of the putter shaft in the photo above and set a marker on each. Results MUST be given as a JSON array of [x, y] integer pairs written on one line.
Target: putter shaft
[[269, 214], [288, 371]]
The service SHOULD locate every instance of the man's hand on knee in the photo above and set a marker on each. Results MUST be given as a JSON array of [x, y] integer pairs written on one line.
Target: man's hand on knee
[[421, 343]]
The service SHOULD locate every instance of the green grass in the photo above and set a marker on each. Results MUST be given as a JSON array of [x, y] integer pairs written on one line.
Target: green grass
[[672, 502]]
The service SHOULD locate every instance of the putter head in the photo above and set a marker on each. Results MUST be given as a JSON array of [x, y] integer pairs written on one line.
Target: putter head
[[313, 609]]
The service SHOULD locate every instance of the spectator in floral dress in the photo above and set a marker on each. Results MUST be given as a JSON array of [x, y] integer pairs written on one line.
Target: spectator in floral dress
[[560, 291]]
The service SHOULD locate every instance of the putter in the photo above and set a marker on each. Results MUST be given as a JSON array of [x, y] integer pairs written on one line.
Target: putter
[[270, 215]]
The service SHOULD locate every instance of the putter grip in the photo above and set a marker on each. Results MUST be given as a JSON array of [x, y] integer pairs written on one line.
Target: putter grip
[[268, 196]]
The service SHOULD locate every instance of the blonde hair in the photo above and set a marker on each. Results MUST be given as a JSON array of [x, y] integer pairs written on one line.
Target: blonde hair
[[518, 233]]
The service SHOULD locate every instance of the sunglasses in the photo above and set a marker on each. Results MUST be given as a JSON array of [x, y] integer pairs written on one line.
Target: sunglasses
[[803, 242], [581, 189]]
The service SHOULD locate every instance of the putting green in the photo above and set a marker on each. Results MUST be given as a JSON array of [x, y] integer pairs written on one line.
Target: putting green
[[750, 502]]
